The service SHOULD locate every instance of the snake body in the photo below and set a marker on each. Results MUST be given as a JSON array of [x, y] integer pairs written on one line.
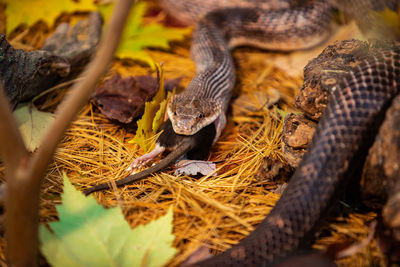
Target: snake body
[[346, 130], [207, 97]]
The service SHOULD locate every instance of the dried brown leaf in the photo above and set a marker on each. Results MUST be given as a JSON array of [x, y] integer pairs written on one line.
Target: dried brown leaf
[[123, 99]]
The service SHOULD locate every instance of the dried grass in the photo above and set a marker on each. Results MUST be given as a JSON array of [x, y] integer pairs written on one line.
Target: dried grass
[[216, 211]]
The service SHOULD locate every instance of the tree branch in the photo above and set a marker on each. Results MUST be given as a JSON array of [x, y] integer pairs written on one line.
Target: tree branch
[[12, 147], [24, 178]]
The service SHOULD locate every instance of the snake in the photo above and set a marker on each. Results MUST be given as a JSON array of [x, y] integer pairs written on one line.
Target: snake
[[346, 130], [207, 97]]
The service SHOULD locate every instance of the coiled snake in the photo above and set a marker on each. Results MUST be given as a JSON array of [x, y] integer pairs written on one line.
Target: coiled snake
[[347, 128], [345, 132]]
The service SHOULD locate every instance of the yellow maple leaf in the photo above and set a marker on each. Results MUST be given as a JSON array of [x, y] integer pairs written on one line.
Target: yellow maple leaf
[[138, 35], [30, 11], [152, 117]]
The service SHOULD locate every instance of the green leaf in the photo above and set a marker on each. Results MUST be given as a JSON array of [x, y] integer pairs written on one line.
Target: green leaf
[[282, 113], [89, 235], [28, 11], [32, 124], [137, 35]]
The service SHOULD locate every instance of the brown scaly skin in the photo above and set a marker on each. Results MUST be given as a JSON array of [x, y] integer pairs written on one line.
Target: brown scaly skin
[[345, 132], [189, 115], [347, 129], [207, 97]]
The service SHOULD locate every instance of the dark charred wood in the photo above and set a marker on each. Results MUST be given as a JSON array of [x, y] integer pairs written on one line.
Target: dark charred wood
[[296, 136], [65, 53], [26, 74], [381, 182], [78, 43], [273, 169], [322, 73], [381, 177]]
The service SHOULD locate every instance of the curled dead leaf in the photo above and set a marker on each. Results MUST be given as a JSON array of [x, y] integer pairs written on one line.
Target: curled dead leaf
[[194, 167]]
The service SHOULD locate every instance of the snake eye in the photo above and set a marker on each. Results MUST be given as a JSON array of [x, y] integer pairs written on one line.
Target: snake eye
[[201, 115], [175, 113]]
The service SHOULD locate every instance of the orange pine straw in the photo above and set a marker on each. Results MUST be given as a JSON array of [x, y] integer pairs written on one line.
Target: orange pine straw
[[214, 211]]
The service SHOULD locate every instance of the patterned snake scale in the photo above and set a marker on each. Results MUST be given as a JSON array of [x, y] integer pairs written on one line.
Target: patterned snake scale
[[346, 130]]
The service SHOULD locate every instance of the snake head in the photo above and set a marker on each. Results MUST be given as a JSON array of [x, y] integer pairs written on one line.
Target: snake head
[[189, 114]]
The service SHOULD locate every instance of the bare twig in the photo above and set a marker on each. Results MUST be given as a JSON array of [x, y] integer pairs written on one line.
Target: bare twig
[[24, 173], [15, 158]]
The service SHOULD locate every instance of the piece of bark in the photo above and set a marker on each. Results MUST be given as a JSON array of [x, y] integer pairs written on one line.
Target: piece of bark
[[320, 76], [273, 169], [381, 175], [26, 74], [65, 53], [322, 73], [78, 43], [296, 136]]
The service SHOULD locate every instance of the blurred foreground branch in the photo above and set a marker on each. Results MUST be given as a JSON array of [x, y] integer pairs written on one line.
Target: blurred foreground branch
[[24, 173]]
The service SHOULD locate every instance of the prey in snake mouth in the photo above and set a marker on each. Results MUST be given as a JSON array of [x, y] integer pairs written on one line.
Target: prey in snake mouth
[[193, 125], [196, 147]]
